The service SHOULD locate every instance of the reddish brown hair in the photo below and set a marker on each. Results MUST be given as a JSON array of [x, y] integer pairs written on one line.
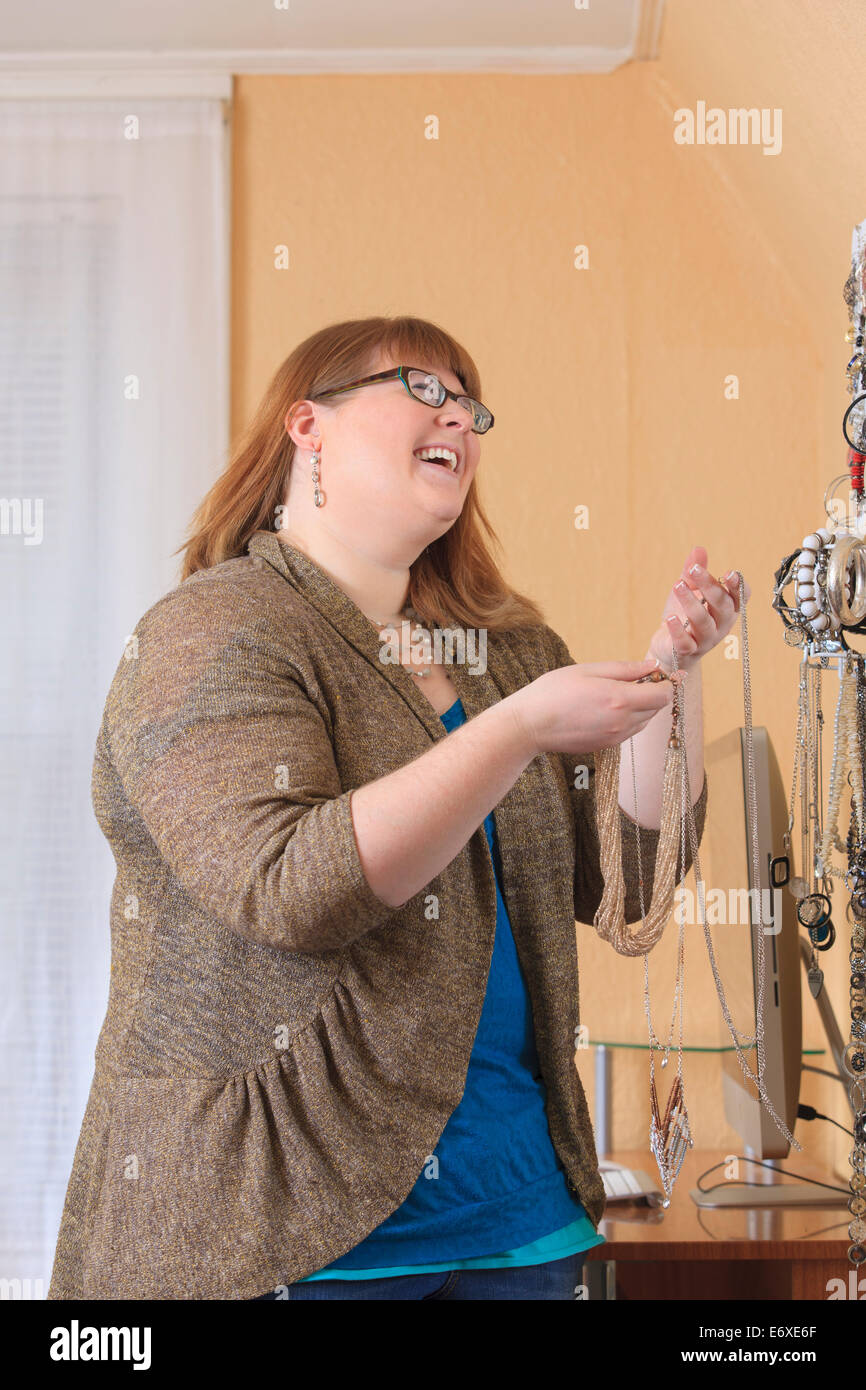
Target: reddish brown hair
[[456, 579]]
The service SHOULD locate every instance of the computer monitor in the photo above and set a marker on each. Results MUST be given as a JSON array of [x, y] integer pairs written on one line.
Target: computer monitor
[[732, 892], [729, 871]]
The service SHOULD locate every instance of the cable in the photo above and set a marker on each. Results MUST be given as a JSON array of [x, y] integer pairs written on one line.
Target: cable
[[740, 1182], [808, 1112]]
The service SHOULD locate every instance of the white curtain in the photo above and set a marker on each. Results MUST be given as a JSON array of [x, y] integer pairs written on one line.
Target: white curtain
[[113, 423]]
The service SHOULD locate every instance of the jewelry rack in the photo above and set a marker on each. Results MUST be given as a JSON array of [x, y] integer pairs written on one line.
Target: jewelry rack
[[828, 571]]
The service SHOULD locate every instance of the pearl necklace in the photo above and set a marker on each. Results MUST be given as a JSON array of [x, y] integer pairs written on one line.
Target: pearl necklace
[[416, 624]]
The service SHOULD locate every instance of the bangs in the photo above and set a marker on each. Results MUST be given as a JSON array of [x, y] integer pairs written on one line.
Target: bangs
[[417, 343]]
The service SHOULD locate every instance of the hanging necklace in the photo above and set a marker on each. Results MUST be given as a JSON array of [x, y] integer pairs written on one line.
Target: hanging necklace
[[670, 1134], [854, 1056]]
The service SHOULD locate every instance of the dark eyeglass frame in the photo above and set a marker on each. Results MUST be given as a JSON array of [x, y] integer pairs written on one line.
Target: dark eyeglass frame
[[397, 373]]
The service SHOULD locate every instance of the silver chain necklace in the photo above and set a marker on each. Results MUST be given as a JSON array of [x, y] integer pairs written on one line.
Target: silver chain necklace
[[672, 1137]]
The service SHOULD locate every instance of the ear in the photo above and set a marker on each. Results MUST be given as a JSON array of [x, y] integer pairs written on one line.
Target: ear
[[301, 425]]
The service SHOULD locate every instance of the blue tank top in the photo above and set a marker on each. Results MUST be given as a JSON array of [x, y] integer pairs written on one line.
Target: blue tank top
[[494, 1192]]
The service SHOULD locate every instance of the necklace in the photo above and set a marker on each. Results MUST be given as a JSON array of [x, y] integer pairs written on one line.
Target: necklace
[[670, 1134], [416, 625]]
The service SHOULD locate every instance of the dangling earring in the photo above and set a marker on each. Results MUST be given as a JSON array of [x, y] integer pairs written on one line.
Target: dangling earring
[[318, 497]]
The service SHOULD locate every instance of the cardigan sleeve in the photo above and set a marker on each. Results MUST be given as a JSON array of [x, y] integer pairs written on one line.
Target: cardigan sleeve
[[588, 881], [229, 764]]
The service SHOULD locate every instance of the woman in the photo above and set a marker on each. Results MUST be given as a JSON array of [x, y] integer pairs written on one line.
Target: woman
[[338, 1056]]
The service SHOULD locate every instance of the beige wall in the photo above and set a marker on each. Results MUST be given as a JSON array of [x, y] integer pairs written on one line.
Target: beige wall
[[607, 383]]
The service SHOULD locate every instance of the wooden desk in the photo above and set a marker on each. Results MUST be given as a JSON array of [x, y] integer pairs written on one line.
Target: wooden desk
[[690, 1252]]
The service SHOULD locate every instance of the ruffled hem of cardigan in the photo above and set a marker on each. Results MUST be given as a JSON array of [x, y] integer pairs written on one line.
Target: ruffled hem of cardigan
[[169, 1167]]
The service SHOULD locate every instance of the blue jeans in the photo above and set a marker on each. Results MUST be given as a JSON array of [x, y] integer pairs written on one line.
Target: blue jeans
[[555, 1279]]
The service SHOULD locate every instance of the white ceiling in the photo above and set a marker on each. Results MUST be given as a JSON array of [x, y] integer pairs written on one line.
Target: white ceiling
[[340, 36]]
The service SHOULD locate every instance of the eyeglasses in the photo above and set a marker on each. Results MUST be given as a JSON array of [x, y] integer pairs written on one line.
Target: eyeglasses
[[424, 386]]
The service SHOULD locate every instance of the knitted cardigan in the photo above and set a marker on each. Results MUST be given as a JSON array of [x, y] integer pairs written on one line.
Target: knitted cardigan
[[281, 1048]]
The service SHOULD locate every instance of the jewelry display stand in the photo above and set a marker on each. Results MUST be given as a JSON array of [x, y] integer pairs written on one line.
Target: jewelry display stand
[[828, 570]]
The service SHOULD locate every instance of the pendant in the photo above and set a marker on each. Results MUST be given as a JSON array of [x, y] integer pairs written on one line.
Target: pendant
[[669, 1138], [815, 976]]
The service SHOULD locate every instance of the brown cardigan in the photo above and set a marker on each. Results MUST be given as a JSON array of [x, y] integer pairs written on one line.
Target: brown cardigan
[[282, 1049]]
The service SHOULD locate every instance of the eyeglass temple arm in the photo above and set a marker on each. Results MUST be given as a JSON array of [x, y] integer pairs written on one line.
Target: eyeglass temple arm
[[350, 386]]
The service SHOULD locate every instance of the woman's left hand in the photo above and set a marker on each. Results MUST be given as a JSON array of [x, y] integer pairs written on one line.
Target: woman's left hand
[[707, 624]]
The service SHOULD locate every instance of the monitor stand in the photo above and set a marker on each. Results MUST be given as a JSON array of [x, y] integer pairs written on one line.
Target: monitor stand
[[784, 1193]]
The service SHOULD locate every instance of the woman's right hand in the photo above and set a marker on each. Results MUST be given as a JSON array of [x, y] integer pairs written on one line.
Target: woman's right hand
[[583, 707]]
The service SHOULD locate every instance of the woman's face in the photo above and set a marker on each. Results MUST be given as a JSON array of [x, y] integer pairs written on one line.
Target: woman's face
[[376, 488]]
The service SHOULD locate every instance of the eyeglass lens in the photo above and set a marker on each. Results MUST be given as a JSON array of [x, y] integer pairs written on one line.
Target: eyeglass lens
[[428, 388]]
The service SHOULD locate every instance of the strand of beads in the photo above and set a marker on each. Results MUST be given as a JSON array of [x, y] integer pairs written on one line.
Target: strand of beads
[[844, 748], [854, 1056]]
